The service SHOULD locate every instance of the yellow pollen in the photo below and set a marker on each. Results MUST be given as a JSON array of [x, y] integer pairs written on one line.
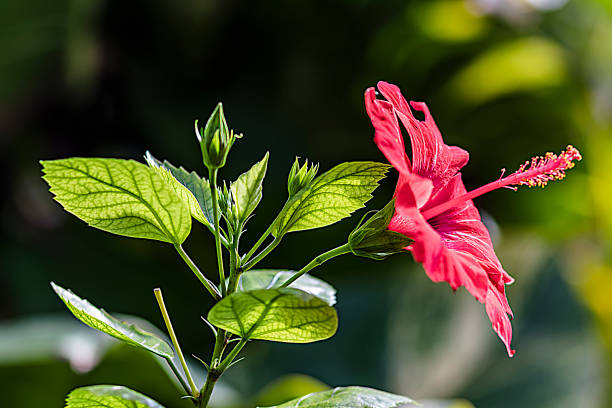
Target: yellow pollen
[[538, 171]]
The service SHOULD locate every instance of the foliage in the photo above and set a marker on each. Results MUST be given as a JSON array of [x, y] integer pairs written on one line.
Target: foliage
[[158, 201]]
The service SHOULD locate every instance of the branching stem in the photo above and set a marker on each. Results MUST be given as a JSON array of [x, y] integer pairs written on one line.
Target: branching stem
[[212, 289], [343, 249]]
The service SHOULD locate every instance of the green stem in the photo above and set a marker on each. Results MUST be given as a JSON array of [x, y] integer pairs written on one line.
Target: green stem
[[160, 301], [216, 365], [212, 173], [207, 283], [343, 249], [234, 270], [213, 371], [259, 242], [178, 375], [232, 355], [262, 254]]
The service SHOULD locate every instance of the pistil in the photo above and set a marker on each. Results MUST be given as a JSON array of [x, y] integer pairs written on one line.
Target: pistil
[[534, 173]]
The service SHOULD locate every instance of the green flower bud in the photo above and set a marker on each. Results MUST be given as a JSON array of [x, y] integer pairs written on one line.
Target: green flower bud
[[215, 139], [373, 239], [300, 176]]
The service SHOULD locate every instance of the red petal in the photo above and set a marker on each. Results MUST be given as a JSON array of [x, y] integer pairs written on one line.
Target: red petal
[[497, 306], [431, 158], [387, 134], [442, 262]]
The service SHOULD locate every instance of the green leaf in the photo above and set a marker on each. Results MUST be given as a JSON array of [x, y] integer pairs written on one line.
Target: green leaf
[[272, 278], [373, 239], [349, 397], [330, 197], [197, 194], [285, 315], [108, 396], [101, 320], [247, 189], [119, 196]]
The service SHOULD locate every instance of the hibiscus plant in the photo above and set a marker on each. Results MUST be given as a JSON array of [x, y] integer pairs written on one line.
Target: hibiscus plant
[[431, 215]]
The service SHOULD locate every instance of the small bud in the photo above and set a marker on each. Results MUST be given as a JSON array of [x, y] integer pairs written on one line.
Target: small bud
[[215, 139], [373, 239], [300, 176]]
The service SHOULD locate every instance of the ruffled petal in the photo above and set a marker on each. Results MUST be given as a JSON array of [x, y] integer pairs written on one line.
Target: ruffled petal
[[387, 136], [412, 191], [497, 308], [462, 230], [441, 262], [431, 158]]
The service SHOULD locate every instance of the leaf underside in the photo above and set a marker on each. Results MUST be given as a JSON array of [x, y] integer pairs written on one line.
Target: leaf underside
[[285, 315], [123, 197], [108, 396], [331, 197], [101, 320], [349, 397], [273, 278]]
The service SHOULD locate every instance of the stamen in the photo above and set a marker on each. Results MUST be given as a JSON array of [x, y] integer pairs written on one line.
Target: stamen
[[536, 172], [542, 169]]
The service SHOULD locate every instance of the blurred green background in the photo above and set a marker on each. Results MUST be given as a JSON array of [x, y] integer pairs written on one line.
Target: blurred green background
[[505, 79]]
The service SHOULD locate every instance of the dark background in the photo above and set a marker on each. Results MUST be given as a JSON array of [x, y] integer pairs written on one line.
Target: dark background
[[505, 80]]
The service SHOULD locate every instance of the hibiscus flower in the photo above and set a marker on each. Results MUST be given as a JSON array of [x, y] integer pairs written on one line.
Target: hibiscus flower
[[433, 208]]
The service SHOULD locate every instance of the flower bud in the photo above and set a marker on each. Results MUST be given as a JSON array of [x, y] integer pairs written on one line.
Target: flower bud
[[300, 176], [215, 139], [373, 239]]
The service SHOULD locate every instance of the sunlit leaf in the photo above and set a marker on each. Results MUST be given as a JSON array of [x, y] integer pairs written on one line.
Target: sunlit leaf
[[197, 188], [247, 189], [331, 197], [284, 315], [119, 196], [108, 396], [273, 278], [349, 397], [101, 320]]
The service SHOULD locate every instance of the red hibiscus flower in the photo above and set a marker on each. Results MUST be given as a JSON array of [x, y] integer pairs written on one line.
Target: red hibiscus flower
[[433, 208]]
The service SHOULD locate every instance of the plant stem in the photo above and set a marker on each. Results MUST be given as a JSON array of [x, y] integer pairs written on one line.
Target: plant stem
[[234, 270], [262, 254], [217, 365], [215, 201], [213, 372], [343, 249], [178, 375], [160, 301], [232, 355], [207, 283], [259, 242]]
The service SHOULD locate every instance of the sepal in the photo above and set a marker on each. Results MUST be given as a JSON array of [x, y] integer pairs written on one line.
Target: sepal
[[373, 239], [216, 139], [300, 176]]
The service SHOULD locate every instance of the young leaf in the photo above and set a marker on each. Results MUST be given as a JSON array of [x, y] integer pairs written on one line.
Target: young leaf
[[349, 397], [198, 190], [285, 315], [247, 189], [272, 278], [119, 196], [108, 396], [330, 197], [100, 320]]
